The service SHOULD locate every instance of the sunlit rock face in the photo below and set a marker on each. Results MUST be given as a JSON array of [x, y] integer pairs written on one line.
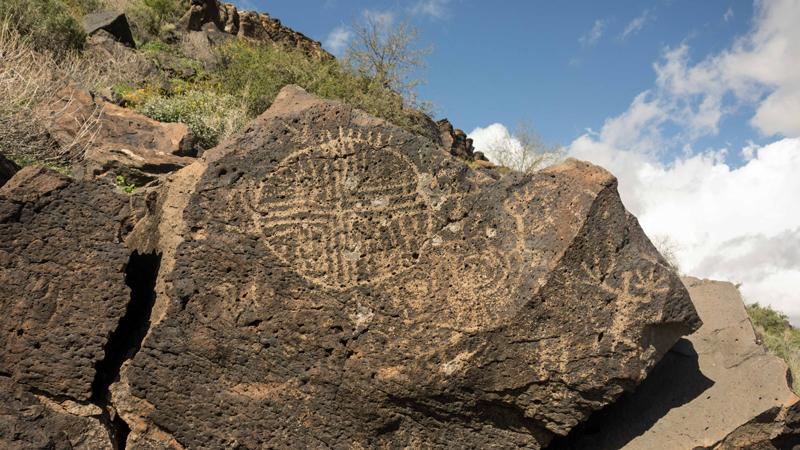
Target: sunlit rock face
[[717, 388], [328, 279]]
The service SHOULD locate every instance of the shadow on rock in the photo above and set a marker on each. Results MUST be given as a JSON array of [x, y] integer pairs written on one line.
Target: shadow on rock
[[673, 382]]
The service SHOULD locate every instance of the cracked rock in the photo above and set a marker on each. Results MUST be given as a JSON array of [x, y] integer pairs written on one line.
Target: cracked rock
[[312, 294], [30, 421], [62, 279], [7, 169]]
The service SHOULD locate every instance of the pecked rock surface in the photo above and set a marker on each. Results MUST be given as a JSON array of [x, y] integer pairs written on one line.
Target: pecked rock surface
[[62, 280], [715, 389], [329, 280]]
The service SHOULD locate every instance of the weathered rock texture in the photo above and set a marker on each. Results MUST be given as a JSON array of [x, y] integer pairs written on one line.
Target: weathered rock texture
[[62, 280], [7, 169], [710, 384], [35, 421], [457, 142], [330, 280], [113, 23], [106, 138], [247, 24], [775, 429]]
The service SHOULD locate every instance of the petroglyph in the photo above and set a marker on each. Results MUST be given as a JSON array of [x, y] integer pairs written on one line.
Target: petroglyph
[[635, 288], [474, 286], [344, 212]]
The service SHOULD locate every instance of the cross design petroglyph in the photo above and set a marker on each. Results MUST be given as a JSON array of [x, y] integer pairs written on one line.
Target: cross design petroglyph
[[344, 212]]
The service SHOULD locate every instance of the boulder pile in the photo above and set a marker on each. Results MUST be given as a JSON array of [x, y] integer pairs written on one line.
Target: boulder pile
[[211, 16]]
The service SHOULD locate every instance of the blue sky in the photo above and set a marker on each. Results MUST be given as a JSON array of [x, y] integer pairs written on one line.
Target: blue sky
[[536, 61], [693, 105]]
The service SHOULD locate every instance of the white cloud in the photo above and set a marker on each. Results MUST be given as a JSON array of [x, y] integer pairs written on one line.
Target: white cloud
[[493, 137], [732, 223], [433, 8], [338, 39], [637, 24], [739, 224], [383, 18], [761, 69], [728, 15], [736, 223], [592, 36]]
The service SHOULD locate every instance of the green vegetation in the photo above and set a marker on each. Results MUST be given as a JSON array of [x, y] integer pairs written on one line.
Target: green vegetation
[[244, 84], [151, 19], [41, 43], [778, 336], [47, 24], [210, 116], [258, 72], [23, 161], [79, 8], [128, 188]]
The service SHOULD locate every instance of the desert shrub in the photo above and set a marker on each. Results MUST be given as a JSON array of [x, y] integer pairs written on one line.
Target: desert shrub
[[124, 185], [669, 250], [47, 24], [30, 77], [257, 72], [79, 8], [778, 336], [151, 18], [211, 116]]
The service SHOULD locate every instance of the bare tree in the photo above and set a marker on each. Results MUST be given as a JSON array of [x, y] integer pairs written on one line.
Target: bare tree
[[524, 150], [669, 250], [386, 53]]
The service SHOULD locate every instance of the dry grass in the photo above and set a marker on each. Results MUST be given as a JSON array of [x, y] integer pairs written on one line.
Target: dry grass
[[29, 78]]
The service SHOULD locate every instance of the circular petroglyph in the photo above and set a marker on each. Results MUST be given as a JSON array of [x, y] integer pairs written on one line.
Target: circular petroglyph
[[475, 284], [345, 212]]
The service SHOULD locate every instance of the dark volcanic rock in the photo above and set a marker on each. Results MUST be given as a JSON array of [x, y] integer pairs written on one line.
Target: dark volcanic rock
[[34, 421], [330, 280], [715, 381], [776, 429], [7, 169], [113, 22], [62, 279], [246, 24], [457, 142], [107, 139]]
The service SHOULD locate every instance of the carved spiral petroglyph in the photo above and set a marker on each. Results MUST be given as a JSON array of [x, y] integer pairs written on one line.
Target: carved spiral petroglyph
[[345, 212]]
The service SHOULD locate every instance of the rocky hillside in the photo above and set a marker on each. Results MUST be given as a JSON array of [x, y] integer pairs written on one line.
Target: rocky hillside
[[336, 271]]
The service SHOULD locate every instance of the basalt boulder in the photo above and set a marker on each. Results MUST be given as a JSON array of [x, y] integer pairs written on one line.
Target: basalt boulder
[[112, 22], [62, 281], [102, 138], [457, 142], [777, 428], [717, 388], [260, 27], [330, 280]]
